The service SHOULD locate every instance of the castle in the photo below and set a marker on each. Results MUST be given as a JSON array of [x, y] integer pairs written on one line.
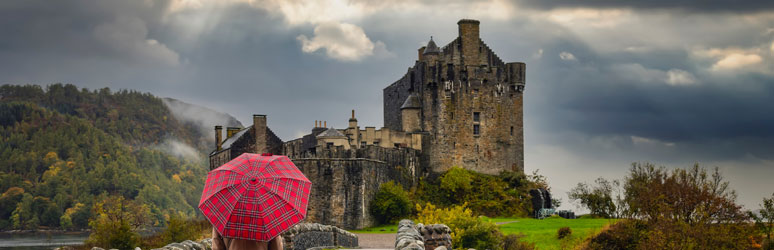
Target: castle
[[459, 105]]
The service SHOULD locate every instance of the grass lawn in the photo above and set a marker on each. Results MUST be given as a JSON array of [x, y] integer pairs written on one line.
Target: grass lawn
[[540, 232], [383, 229], [543, 232]]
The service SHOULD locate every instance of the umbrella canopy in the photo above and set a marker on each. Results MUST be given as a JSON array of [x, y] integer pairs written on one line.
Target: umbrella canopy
[[255, 197]]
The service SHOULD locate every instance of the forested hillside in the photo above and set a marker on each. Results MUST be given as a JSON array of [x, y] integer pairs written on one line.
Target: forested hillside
[[64, 150]]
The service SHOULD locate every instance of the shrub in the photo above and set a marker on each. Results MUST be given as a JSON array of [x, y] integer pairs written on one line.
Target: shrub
[[622, 235], [390, 203], [467, 230], [563, 232], [179, 229], [491, 195], [115, 223], [513, 242]]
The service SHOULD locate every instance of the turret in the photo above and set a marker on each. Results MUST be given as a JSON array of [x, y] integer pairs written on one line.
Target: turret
[[469, 37], [409, 113], [218, 137], [516, 75], [430, 52]]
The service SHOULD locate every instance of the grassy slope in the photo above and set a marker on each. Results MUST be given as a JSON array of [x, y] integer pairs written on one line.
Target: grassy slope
[[540, 232], [543, 232]]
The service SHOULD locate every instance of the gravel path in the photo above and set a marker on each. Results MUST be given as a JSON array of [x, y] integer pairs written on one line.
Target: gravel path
[[376, 240]]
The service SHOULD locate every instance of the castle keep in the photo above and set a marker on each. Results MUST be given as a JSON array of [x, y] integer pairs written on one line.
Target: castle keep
[[459, 105]]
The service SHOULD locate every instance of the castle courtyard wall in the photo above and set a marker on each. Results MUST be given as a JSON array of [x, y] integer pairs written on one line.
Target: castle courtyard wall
[[344, 182]]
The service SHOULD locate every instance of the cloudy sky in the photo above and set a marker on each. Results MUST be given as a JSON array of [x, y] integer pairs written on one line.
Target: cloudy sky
[[608, 82]]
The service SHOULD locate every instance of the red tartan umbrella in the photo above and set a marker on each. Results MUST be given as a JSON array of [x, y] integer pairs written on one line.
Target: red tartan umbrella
[[255, 197]]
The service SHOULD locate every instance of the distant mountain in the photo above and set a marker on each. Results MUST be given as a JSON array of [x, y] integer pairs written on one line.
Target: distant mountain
[[64, 150]]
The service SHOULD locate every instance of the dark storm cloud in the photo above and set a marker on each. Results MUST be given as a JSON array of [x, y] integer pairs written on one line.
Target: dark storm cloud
[[687, 5], [625, 94]]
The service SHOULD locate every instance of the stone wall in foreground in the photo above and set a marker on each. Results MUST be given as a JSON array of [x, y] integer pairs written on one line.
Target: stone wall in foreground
[[312, 235], [422, 237]]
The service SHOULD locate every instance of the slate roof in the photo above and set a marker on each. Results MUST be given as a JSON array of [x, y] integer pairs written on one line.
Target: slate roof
[[331, 132], [431, 48], [227, 143], [412, 102]]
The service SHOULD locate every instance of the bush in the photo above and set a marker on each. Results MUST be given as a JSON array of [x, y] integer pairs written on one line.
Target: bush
[[391, 203], [622, 235], [563, 232], [467, 230], [116, 223], [513, 242], [180, 229], [491, 195]]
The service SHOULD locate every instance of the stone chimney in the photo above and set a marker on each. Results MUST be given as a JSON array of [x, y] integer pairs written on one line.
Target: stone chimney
[[469, 36], [259, 127], [420, 51], [230, 131], [218, 137], [354, 131]]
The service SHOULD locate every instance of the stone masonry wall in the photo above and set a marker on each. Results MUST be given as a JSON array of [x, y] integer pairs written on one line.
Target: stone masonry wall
[[422, 237], [466, 78], [304, 236], [345, 181]]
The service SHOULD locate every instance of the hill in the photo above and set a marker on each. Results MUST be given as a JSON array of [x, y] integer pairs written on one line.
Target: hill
[[64, 150]]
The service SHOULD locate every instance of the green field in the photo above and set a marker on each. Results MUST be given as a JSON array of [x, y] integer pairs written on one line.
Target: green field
[[543, 232], [540, 232], [383, 229]]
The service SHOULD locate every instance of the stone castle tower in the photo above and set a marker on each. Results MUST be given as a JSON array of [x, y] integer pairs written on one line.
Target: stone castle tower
[[466, 102], [459, 105]]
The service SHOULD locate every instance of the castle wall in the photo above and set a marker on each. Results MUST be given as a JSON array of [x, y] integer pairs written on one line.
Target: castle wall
[[344, 182]]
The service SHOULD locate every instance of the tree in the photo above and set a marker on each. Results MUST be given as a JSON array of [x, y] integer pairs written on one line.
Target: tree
[[598, 199], [764, 220], [390, 203], [116, 223]]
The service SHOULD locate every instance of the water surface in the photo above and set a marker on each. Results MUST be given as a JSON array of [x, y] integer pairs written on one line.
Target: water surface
[[40, 241]]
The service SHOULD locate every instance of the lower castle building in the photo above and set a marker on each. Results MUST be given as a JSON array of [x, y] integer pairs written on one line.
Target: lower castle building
[[459, 105]]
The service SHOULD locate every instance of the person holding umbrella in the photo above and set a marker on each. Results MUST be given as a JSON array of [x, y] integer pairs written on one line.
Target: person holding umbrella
[[252, 199]]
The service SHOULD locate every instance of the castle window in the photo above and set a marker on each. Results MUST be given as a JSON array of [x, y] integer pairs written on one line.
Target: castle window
[[397, 145], [363, 144], [476, 116], [476, 129], [376, 143], [329, 145], [511, 130]]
